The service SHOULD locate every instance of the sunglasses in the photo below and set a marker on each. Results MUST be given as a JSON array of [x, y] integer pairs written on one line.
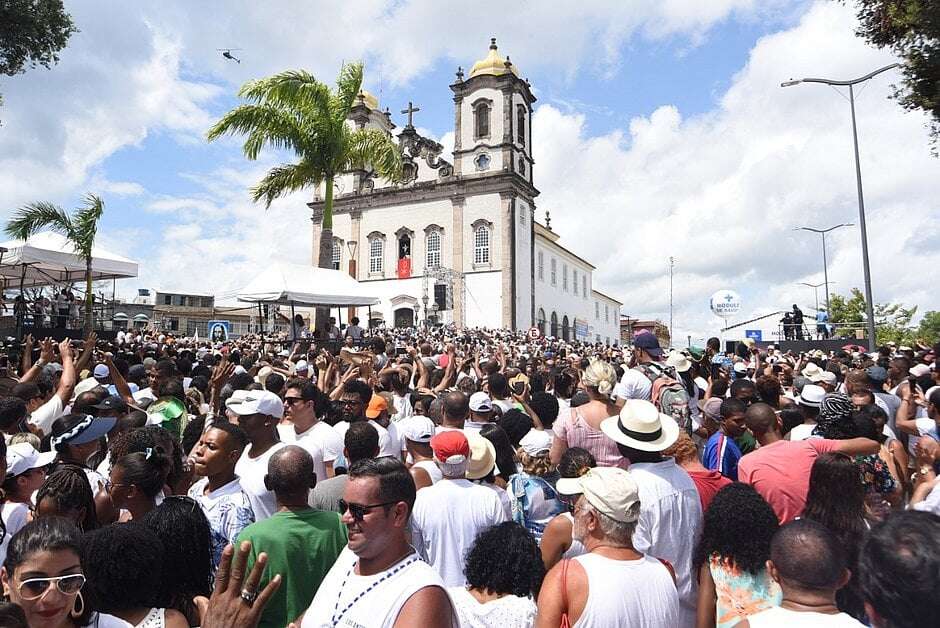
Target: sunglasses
[[289, 401], [35, 588], [359, 511]]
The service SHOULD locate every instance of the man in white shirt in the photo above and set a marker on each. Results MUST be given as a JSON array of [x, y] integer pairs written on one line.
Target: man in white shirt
[[671, 514], [481, 412], [44, 411], [355, 398], [258, 413], [320, 440], [450, 514], [635, 384]]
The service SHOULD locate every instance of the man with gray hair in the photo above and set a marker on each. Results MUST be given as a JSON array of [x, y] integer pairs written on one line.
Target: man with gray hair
[[450, 514], [301, 543], [612, 583]]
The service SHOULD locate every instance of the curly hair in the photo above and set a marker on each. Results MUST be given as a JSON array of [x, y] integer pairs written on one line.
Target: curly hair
[[739, 525], [683, 450], [131, 582], [575, 462], [539, 465], [505, 559]]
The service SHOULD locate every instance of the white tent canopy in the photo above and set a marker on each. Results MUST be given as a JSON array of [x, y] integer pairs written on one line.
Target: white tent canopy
[[48, 258], [298, 284]]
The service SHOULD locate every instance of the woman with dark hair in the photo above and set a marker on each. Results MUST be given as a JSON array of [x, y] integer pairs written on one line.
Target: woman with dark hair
[[127, 587], [836, 499], [75, 439], [66, 493], [187, 553], [136, 480], [557, 540], [505, 454], [504, 573], [731, 558]]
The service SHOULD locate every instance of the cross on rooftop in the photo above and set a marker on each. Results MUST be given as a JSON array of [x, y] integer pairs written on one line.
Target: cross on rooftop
[[410, 111]]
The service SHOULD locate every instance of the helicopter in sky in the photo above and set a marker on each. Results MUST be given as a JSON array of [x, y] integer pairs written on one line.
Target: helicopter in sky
[[227, 53]]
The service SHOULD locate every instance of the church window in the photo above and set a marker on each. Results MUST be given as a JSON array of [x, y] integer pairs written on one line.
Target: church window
[[554, 324], [540, 321], [574, 281], [597, 311], [376, 255], [564, 277], [337, 254], [481, 120], [521, 215], [482, 161], [565, 328], [434, 249], [584, 286], [520, 124], [541, 266], [521, 167], [606, 313], [554, 273], [481, 245]]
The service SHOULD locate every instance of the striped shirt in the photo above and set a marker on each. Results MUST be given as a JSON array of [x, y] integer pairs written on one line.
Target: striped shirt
[[722, 454], [573, 430]]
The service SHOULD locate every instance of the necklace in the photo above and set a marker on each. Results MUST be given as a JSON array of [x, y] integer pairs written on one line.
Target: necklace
[[337, 616]]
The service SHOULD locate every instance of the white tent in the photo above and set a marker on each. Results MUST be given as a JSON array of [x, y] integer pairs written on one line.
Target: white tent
[[48, 258], [298, 284]]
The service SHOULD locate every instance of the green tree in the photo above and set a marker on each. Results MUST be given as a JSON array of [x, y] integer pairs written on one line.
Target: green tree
[[294, 111], [929, 329], [892, 320], [79, 229], [910, 29]]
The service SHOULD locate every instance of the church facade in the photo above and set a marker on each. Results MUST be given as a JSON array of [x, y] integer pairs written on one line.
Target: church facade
[[458, 241]]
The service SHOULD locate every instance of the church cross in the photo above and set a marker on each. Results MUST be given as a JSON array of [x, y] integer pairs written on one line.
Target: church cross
[[410, 111]]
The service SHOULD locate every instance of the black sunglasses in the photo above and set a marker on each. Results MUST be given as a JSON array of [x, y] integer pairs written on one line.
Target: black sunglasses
[[359, 511]]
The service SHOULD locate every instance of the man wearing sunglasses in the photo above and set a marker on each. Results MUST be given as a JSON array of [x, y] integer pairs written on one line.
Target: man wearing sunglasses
[[379, 580], [303, 401]]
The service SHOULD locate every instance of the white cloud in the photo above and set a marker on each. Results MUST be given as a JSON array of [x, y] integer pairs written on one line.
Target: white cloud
[[722, 191]]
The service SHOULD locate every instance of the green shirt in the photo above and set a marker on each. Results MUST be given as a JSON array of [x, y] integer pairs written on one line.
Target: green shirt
[[301, 546]]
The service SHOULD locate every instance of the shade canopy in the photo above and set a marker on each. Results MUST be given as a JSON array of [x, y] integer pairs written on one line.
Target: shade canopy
[[299, 284], [49, 258]]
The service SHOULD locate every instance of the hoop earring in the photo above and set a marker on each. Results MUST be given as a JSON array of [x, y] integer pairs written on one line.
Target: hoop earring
[[78, 613]]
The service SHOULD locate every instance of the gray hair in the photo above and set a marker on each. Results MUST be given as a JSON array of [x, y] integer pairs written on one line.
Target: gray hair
[[617, 533]]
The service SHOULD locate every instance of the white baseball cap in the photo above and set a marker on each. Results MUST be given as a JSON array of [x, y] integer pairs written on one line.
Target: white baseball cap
[[610, 490], [300, 366], [101, 371], [416, 428], [480, 402], [22, 457], [536, 442], [258, 402]]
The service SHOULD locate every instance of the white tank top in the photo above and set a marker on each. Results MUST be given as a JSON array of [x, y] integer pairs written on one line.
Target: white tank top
[[637, 593], [431, 467], [577, 548]]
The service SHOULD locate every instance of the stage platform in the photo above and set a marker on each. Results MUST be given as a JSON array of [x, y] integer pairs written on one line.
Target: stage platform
[[802, 346]]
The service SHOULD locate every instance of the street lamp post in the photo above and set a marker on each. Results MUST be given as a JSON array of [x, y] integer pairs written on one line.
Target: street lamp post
[[869, 306], [815, 287], [823, 233]]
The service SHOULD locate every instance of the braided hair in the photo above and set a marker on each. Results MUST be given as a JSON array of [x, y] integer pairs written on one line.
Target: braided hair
[[68, 487]]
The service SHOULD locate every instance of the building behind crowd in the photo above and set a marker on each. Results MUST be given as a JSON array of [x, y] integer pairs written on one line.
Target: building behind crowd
[[629, 327], [458, 241]]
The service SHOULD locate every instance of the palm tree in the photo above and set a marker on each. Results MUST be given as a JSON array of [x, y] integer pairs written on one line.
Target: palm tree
[[293, 110], [79, 229]]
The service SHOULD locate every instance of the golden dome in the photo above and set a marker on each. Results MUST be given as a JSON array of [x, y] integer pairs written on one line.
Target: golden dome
[[493, 64], [367, 99]]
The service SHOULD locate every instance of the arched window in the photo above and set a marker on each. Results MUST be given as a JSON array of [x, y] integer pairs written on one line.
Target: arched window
[[376, 255], [337, 254], [520, 124], [554, 324], [540, 321], [481, 120], [433, 249], [481, 244], [565, 328]]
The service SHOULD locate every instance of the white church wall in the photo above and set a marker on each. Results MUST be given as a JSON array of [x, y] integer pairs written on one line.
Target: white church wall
[[483, 299], [523, 264], [555, 298], [604, 319], [484, 207], [468, 128]]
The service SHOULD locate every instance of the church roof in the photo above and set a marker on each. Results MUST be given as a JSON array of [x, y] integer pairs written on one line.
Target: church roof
[[493, 64], [367, 99]]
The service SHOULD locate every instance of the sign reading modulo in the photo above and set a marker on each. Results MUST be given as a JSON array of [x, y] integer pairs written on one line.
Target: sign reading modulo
[[725, 303]]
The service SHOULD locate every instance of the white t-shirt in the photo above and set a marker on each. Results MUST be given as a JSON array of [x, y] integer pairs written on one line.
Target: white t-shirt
[[509, 611], [633, 385], [251, 472], [925, 427], [447, 518], [15, 516], [802, 431], [44, 416], [347, 600], [386, 447], [320, 440], [431, 468], [777, 617], [931, 502]]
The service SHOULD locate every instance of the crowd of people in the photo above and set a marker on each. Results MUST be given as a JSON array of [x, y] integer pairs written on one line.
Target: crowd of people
[[471, 478]]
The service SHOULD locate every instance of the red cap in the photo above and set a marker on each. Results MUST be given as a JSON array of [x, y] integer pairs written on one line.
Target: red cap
[[451, 447]]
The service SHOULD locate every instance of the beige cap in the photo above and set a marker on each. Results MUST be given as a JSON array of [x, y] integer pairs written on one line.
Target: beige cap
[[609, 490], [482, 457]]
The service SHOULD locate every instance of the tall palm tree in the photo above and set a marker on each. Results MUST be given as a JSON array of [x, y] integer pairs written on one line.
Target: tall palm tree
[[293, 110], [79, 229]]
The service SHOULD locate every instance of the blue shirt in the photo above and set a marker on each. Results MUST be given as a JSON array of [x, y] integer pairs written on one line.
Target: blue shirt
[[721, 454]]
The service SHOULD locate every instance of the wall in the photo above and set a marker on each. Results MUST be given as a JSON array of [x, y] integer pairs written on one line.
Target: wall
[[556, 298]]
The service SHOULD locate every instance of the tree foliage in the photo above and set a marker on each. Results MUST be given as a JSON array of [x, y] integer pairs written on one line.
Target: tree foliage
[[32, 32], [910, 29], [929, 328], [892, 320]]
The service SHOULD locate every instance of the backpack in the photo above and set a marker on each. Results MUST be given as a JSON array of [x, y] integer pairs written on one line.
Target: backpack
[[668, 394]]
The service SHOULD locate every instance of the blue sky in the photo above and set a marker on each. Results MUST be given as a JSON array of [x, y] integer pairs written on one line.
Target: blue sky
[[664, 119]]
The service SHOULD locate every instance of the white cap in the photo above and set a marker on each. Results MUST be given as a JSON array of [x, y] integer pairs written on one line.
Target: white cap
[[101, 371], [740, 367], [536, 442], [300, 366], [919, 370], [610, 490], [480, 402], [22, 457], [416, 428], [811, 395], [828, 377], [258, 402]]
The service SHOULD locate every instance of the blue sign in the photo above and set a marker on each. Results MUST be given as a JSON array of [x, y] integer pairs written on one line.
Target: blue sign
[[754, 334], [218, 331]]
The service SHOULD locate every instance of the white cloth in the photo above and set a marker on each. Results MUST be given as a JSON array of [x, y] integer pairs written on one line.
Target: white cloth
[[15, 516], [447, 518], [633, 385], [636, 593], [577, 547], [386, 447], [45, 415], [251, 472], [931, 502], [504, 404], [509, 611], [669, 525], [504, 498], [777, 617], [379, 608], [321, 441], [432, 470], [802, 431], [403, 408], [227, 510]]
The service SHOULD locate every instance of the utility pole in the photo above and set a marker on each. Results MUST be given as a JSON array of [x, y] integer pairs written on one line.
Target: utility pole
[[672, 263]]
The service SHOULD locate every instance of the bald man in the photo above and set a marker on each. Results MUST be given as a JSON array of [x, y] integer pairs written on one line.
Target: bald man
[[301, 543]]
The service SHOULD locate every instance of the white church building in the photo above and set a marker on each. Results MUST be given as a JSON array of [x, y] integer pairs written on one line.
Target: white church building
[[458, 241]]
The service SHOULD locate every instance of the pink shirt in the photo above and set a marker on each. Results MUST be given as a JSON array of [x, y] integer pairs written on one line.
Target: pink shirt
[[573, 430], [780, 473]]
